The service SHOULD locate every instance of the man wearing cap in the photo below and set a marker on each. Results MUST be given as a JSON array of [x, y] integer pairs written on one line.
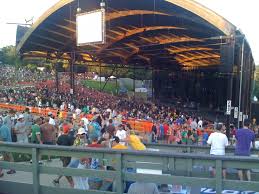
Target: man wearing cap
[[20, 130], [65, 140], [117, 145]]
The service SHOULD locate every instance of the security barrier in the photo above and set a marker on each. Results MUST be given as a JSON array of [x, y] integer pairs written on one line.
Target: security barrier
[[176, 168]]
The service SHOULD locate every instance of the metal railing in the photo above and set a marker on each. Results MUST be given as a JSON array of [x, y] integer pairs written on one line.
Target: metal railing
[[230, 150], [176, 168]]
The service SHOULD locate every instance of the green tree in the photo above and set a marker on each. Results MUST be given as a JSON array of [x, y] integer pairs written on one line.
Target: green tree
[[9, 56], [256, 83]]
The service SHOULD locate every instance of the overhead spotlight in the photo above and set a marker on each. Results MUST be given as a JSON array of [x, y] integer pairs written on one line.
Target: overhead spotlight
[[78, 10]]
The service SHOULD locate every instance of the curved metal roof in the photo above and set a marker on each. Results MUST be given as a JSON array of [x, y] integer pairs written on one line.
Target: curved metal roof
[[174, 32]]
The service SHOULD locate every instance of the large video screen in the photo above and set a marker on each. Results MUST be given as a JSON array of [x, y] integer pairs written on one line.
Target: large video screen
[[90, 28]]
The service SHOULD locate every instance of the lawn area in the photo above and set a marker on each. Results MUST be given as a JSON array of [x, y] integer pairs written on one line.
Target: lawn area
[[110, 87]]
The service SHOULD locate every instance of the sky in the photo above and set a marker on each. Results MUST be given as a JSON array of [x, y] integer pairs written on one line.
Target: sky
[[241, 13]]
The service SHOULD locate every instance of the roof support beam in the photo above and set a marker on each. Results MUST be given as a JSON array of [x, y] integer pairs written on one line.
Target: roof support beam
[[134, 32], [48, 38], [55, 32], [44, 46]]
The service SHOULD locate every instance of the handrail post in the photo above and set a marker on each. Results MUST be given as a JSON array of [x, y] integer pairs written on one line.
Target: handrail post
[[119, 181], [189, 149], [218, 176], [35, 171]]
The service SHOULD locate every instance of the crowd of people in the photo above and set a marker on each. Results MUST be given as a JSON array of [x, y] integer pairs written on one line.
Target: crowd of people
[[11, 76], [107, 129]]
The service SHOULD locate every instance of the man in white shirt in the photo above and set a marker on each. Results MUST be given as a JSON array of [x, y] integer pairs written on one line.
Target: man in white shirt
[[78, 111], [51, 120], [121, 133], [218, 141], [194, 124]]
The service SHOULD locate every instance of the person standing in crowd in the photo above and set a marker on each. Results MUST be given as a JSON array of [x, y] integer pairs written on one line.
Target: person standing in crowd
[[28, 119], [205, 137], [20, 130], [244, 137], [111, 128], [184, 135], [64, 140], [135, 142], [218, 142], [10, 123], [194, 124], [154, 133], [121, 134], [48, 133], [5, 136], [51, 119], [200, 123], [35, 132]]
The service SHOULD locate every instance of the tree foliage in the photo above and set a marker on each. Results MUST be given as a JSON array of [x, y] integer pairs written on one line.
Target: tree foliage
[[9, 56], [256, 83]]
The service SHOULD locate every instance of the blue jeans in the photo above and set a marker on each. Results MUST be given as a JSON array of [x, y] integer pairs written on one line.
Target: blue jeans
[[73, 163]]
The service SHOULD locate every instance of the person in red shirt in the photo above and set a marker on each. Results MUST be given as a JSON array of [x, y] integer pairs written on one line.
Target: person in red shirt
[[94, 143], [166, 129]]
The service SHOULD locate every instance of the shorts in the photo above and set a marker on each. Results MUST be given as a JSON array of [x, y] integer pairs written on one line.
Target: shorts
[[24, 140], [171, 138], [65, 161]]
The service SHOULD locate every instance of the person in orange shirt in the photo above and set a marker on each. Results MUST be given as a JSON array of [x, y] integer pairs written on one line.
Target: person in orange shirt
[[116, 144]]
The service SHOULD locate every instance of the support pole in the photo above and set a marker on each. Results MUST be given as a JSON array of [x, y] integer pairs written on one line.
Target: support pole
[[57, 81], [99, 76], [134, 77], [72, 84], [230, 86], [240, 81]]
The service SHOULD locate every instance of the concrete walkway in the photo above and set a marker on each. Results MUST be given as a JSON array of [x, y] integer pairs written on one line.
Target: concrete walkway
[[26, 177]]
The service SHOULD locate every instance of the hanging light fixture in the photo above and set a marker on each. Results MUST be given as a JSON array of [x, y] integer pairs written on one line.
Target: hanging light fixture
[[102, 4], [78, 10]]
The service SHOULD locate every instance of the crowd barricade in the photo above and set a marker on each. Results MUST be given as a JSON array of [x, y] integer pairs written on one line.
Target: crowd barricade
[[139, 125]]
